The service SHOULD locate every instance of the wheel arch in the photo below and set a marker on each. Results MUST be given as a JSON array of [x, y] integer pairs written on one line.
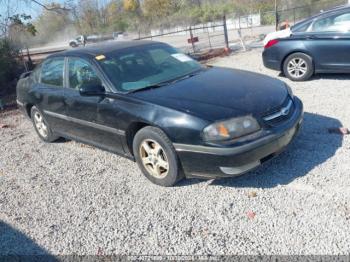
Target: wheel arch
[[294, 52], [28, 108], [136, 126], [131, 131]]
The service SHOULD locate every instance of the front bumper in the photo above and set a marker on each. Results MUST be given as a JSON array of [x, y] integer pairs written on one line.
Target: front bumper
[[218, 162]]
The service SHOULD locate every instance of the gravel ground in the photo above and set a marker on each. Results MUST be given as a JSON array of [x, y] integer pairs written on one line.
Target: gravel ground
[[68, 198]]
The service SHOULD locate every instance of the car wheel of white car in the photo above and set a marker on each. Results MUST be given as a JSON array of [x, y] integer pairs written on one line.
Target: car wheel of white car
[[73, 44], [298, 67]]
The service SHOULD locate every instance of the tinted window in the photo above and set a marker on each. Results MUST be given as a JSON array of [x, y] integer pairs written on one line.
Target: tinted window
[[158, 55], [81, 72], [139, 67], [36, 74], [52, 72], [301, 27], [336, 23]]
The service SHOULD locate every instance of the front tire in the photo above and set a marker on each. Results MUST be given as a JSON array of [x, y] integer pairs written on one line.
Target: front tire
[[73, 45], [156, 157], [41, 126], [298, 67]]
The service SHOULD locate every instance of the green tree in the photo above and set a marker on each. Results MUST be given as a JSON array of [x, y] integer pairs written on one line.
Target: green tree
[[116, 17], [131, 5], [8, 64], [158, 8], [89, 16], [13, 27]]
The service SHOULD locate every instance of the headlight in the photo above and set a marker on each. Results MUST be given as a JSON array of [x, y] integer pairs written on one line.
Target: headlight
[[290, 91], [230, 129]]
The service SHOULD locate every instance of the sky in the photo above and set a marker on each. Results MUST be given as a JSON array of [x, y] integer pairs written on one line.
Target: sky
[[25, 6]]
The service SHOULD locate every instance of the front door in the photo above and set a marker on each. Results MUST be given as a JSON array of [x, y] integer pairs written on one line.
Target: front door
[[85, 121]]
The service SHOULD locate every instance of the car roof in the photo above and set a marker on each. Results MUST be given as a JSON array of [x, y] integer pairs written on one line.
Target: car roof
[[337, 8], [330, 11], [103, 48], [321, 14]]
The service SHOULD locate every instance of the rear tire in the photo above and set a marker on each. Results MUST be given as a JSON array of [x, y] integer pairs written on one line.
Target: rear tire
[[298, 67], [41, 126], [156, 157]]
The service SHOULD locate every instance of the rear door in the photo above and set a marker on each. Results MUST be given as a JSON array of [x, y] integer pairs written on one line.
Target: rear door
[[49, 93], [328, 40], [87, 121]]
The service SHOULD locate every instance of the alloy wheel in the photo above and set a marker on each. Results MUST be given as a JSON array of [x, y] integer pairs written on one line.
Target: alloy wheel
[[297, 67], [40, 124], [154, 158]]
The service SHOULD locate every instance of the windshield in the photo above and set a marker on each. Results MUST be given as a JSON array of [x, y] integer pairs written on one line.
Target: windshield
[[140, 67]]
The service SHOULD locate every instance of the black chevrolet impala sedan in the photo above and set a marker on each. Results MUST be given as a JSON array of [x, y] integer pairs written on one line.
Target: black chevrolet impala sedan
[[150, 103]]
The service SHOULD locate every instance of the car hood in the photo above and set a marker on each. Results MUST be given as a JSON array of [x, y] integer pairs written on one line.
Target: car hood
[[220, 93]]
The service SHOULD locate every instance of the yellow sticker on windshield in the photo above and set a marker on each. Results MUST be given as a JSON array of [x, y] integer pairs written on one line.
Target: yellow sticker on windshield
[[100, 57]]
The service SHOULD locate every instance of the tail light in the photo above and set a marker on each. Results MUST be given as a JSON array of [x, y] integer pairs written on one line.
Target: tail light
[[271, 43]]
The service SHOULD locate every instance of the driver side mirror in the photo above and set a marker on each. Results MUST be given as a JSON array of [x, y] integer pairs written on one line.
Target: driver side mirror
[[90, 89]]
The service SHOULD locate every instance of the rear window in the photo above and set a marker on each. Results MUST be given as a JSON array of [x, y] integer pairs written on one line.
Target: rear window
[[300, 28], [52, 72]]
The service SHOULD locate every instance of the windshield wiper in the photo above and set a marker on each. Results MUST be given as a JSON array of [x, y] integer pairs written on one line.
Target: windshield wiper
[[165, 83], [150, 87], [184, 77]]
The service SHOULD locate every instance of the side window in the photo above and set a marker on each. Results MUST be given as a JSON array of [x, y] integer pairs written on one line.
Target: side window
[[81, 72], [336, 23], [36, 74], [52, 72]]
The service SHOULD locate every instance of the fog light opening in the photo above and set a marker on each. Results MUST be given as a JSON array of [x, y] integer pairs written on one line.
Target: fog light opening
[[239, 169]]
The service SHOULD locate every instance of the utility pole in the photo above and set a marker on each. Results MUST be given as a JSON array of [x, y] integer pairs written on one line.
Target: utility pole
[[276, 15]]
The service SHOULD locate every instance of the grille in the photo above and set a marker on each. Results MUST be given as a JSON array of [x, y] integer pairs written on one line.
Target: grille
[[280, 115]]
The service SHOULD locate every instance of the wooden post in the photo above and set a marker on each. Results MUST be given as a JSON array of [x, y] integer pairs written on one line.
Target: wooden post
[[276, 15], [209, 37], [241, 39], [294, 15], [226, 33], [192, 42]]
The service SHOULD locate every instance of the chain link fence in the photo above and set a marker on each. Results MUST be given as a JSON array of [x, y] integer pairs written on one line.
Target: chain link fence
[[192, 39], [234, 31], [299, 13]]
